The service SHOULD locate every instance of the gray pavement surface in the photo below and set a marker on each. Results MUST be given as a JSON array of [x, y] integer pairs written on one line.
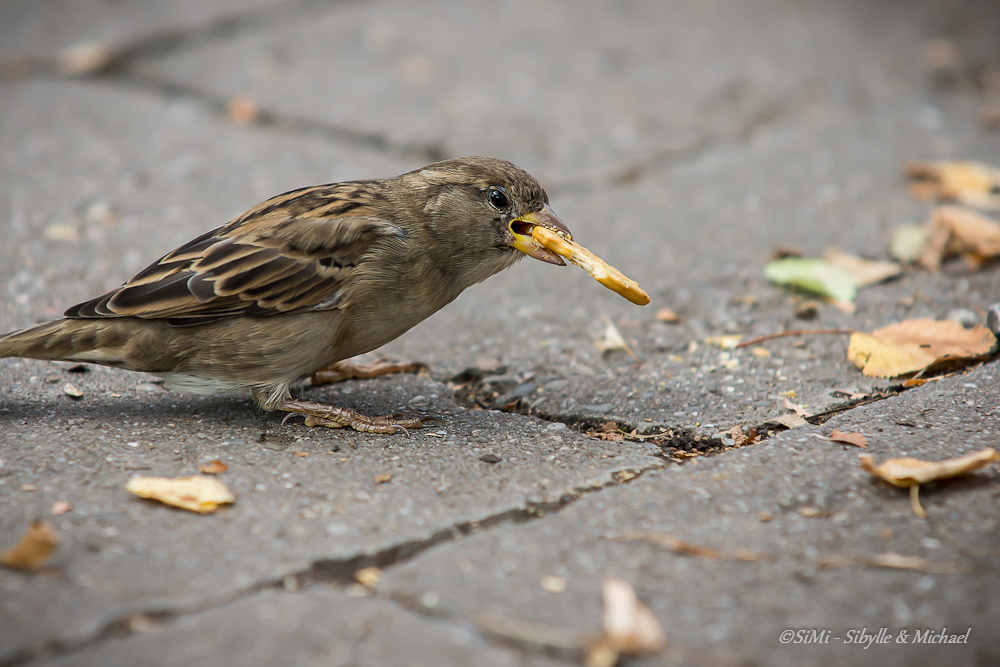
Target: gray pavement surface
[[682, 142]]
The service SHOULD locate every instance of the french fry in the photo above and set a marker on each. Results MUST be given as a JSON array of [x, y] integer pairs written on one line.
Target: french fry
[[601, 271]]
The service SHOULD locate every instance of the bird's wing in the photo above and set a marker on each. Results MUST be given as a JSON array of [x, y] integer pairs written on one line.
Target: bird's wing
[[292, 253]]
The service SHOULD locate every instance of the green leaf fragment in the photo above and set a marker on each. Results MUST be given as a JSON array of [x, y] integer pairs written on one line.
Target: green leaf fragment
[[813, 275]]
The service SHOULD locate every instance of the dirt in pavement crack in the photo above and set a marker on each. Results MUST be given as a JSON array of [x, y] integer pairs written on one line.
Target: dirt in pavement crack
[[340, 572]]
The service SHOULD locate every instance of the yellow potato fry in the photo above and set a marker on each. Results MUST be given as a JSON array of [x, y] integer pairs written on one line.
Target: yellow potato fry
[[601, 271]]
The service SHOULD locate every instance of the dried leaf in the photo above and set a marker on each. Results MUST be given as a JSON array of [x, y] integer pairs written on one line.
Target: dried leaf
[[81, 59], [368, 576], [795, 407], [61, 232], [864, 271], [198, 494], [725, 342], [675, 544], [628, 623], [751, 556], [788, 421], [35, 547], [974, 184], [909, 471], [813, 275], [971, 232], [602, 653], [807, 310], [553, 583], [213, 467], [855, 439], [242, 110], [912, 345], [60, 507], [896, 562], [942, 338], [902, 562], [613, 339], [958, 231], [908, 243], [989, 116], [666, 315], [739, 438], [877, 358]]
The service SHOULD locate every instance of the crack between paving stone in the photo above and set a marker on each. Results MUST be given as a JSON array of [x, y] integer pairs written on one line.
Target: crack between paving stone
[[764, 115], [676, 437], [322, 572], [216, 105], [164, 42], [119, 67]]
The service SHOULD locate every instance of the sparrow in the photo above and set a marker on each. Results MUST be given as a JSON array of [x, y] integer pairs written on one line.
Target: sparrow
[[307, 279]]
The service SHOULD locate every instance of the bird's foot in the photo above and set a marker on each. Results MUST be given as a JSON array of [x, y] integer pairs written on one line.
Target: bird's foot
[[349, 369], [318, 414]]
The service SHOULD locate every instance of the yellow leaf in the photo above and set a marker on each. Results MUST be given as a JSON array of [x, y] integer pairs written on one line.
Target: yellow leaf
[[198, 494], [912, 345], [877, 358]]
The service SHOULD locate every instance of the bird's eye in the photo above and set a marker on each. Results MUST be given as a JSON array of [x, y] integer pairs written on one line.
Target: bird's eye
[[499, 199]]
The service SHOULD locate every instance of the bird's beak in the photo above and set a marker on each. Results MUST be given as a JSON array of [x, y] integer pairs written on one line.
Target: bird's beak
[[521, 230]]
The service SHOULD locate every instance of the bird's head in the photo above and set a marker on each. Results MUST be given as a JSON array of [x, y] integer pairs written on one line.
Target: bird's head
[[487, 203]]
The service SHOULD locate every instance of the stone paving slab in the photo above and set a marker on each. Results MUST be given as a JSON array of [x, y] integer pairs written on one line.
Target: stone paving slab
[[306, 498], [532, 82], [681, 141], [328, 629], [754, 499], [30, 29]]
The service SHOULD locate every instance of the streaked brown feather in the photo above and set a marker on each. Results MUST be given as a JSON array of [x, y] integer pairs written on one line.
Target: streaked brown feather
[[289, 254]]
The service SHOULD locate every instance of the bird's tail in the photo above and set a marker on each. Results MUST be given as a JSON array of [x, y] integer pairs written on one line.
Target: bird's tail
[[96, 341]]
